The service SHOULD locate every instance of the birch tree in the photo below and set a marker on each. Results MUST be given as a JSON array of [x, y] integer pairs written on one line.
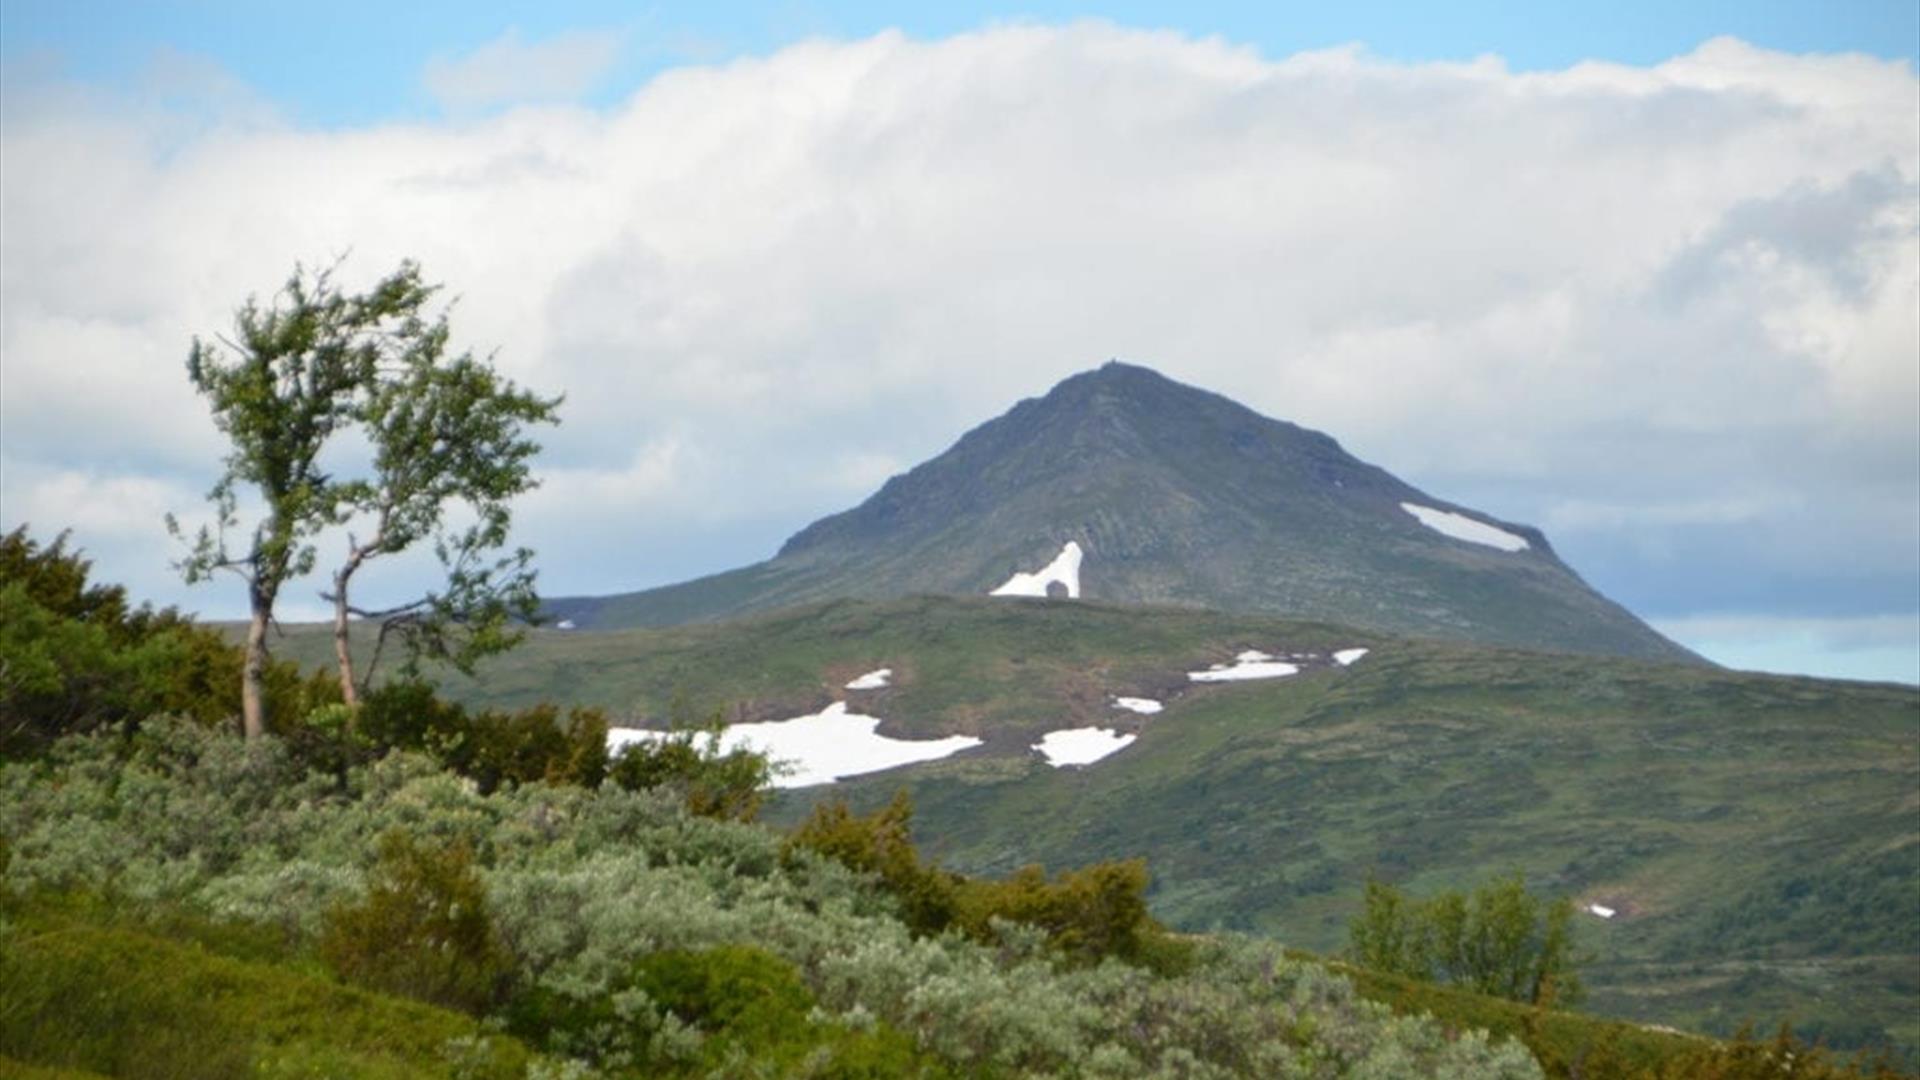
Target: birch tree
[[305, 370]]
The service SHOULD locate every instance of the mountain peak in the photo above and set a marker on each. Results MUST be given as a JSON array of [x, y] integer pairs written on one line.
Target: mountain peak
[[1176, 495]]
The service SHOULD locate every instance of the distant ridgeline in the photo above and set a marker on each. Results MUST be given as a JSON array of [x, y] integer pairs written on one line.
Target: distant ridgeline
[[1123, 486]]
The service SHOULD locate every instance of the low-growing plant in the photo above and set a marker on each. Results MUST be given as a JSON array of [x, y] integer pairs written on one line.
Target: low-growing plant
[[422, 931]]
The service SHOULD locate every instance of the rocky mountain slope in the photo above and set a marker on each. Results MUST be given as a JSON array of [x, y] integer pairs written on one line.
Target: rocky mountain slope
[[1124, 486]]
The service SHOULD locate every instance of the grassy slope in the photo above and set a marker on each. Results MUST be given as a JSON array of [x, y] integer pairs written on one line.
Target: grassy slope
[[1756, 831], [79, 995]]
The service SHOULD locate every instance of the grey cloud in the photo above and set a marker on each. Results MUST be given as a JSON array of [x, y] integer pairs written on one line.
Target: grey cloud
[[1830, 229]]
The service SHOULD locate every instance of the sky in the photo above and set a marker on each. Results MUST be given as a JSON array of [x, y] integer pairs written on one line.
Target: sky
[[1646, 276]]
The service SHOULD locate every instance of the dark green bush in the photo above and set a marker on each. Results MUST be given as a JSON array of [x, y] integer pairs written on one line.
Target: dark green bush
[[76, 657], [689, 764], [748, 994], [1088, 914], [1784, 1057], [745, 1002], [881, 844], [422, 931], [492, 748], [1501, 940]]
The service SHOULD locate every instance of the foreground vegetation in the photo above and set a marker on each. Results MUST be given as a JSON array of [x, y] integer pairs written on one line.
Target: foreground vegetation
[[626, 934]]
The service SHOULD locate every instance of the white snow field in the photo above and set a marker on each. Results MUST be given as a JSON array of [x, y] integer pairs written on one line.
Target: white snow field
[[1145, 706], [1602, 910], [1462, 527], [822, 747], [1065, 569], [1080, 746], [1346, 657], [1251, 664], [872, 680]]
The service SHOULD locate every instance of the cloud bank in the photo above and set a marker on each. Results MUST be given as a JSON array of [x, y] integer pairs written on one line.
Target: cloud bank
[[1666, 312]]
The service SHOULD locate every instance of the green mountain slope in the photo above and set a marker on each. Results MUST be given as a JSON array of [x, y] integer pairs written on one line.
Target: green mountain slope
[[1176, 496], [1759, 835]]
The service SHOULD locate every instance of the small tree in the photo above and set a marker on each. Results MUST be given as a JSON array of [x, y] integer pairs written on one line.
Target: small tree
[[293, 375], [445, 433], [314, 364]]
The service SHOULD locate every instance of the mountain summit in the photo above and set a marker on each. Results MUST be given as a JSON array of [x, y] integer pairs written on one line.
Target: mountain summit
[[1123, 486]]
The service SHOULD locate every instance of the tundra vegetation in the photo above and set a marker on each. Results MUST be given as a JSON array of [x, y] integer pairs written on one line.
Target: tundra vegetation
[[434, 890]]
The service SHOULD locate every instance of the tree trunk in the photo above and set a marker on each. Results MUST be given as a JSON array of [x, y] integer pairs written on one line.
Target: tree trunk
[[253, 674], [341, 653]]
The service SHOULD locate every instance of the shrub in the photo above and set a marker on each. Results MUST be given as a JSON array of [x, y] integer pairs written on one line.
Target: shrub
[[1501, 940], [689, 765], [1087, 915], [742, 991], [882, 844], [537, 744], [1784, 1057], [422, 931], [76, 657]]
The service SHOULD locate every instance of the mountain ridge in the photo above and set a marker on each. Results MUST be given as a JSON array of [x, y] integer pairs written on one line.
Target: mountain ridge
[[1176, 495]]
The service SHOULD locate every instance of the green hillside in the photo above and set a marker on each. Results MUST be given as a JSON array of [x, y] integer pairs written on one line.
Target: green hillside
[[79, 993], [1756, 833], [1176, 496]]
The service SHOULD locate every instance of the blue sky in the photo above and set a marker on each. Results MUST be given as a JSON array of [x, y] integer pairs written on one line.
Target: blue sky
[[1662, 306], [353, 62]]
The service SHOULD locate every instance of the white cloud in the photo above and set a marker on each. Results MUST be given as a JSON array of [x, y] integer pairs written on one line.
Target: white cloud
[[508, 71], [100, 507], [1636, 302]]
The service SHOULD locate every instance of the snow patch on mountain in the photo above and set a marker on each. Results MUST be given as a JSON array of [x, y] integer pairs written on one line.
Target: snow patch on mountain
[[872, 680], [1081, 746], [819, 748], [1065, 569], [1251, 664], [1144, 705], [1462, 527], [1346, 657]]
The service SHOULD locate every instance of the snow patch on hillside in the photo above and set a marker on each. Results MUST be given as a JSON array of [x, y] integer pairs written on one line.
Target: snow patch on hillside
[[1065, 569], [1251, 664], [1146, 706], [1462, 527], [872, 680], [1346, 657], [1081, 746], [820, 748], [1602, 910]]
